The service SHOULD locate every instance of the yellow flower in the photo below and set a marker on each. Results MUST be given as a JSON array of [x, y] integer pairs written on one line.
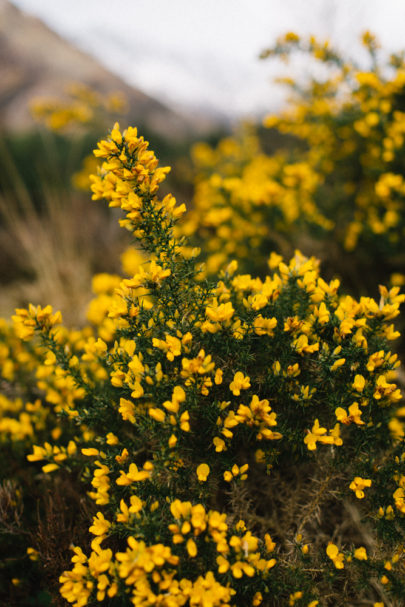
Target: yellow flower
[[360, 554], [294, 597], [339, 363], [219, 444], [178, 397], [49, 468], [33, 554], [240, 382], [219, 312], [134, 475], [223, 564], [203, 471], [317, 434], [91, 451], [270, 545], [399, 497], [354, 415], [127, 410], [337, 557], [359, 383], [257, 599], [157, 414], [191, 548], [111, 439], [358, 484], [100, 525], [185, 421], [172, 441], [291, 37], [218, 377]]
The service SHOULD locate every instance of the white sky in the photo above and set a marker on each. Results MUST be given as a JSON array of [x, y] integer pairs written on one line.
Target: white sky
[[203, 54]]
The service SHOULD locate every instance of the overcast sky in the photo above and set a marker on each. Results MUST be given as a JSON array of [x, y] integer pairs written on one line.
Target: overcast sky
[[204, 53]]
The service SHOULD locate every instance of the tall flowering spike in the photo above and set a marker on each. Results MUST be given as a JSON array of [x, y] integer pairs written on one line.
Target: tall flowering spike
[[26, 321], [129, 177]]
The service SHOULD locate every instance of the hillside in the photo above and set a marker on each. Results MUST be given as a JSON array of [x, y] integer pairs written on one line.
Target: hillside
[[35, 62]]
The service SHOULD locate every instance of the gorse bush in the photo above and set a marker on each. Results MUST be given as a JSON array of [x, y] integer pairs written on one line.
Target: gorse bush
[[240, 438], [82, 106], [338, 191], [83, 111]]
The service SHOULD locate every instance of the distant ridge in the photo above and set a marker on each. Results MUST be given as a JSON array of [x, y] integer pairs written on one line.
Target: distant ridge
[[35, 63]]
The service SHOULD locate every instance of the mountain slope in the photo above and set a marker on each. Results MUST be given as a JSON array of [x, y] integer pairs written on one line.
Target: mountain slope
[[35, 63]]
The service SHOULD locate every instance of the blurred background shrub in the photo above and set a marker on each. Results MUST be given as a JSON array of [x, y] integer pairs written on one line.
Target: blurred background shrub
[[335, 184]]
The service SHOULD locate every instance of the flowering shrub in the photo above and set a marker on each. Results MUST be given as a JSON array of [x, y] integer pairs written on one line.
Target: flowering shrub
[[82, 110], [82, 106], [241, 439], [338, 191]]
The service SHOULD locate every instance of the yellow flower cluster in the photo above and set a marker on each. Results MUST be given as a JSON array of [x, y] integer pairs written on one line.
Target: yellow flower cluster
[[140, 566], [26, 321], [246, 199], [82, 105], [358, 484], [335, 556], [149, 571], [128, 178]]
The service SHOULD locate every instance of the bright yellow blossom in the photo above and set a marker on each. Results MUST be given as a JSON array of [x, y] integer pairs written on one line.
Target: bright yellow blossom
[[203, 471], [358, 484]]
